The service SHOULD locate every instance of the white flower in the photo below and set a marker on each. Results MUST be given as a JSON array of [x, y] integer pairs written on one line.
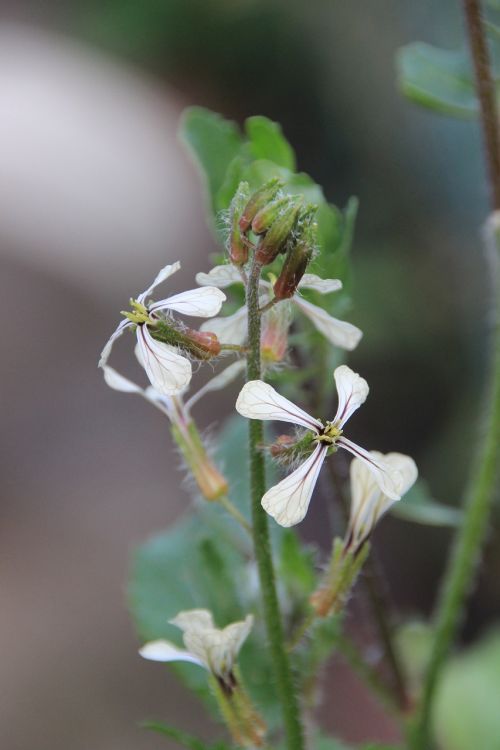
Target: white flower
[[168, 371], [214, 649], [368, 501], [289, 500], [234, 329]]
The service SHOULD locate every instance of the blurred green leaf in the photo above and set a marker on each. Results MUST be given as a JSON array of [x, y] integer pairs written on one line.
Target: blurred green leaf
[[418, 506], [268, 142], [438, 79], [466, 711], [213, 141], [414, 642]]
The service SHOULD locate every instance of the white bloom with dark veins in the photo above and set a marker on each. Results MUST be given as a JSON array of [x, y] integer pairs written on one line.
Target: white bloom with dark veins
[[212, 648], [234, 328], [168, 371], [368, 501], [288, 501]]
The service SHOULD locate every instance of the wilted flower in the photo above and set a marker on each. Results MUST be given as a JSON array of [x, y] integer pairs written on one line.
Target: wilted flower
[[214, 649], [289, 500], [368, 501], [233, 328], [168, 371]]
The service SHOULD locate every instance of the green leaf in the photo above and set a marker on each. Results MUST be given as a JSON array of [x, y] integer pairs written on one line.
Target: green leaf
[[438, 79], [466, 711], [296, 564], [214, 142], [418, 506], [268, 142]]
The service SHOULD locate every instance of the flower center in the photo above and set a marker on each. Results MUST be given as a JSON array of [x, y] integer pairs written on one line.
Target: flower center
[[329, 434], [139, 314]]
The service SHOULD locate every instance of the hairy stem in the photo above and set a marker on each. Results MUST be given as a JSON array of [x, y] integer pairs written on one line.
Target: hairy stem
[[483, 482], [262, 547]]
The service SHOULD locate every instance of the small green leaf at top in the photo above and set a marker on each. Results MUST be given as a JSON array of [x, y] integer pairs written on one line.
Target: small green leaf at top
[[266, 141], [182, 738], [418, 506], [438, 79], [214, 142]]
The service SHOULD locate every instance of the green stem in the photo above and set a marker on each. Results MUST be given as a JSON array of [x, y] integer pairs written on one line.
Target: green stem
[[483, 482], [262, 547]]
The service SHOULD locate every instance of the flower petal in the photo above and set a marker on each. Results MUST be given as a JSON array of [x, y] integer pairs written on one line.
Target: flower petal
[[352, 391], [167, 371], [229, 330], [406, 466], [323, 286], [120, 382], [109, 344], [201, 303], [192, 619], [221, 276], [217, 383], [388, 478], [288, 501], [162, 650], [339, 332], [259, 400], [165, 272]]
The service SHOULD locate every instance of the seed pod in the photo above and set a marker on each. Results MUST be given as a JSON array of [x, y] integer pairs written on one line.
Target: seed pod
[[297, 259], [257, 201], [237, 247], [274, 241]]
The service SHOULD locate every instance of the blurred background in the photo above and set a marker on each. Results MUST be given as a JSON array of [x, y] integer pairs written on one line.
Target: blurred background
[[96, 194]]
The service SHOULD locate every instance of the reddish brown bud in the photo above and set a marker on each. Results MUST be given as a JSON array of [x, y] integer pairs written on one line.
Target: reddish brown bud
[[267, 215], [257, 201], [281, 445], [238, 248], [202, 344], [274, 241], [297, 259]]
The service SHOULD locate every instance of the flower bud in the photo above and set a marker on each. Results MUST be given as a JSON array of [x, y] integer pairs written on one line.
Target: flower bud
[[257, 201], [297, 259], [203, 344], [264, 218], [238, 248], [211, 483], [281, 446], [274, 241], [331, 597]]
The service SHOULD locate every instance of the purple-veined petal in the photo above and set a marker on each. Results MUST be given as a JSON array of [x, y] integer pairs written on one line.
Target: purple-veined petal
[[387, 477], [221, 276], [203, 302], [109, 344], [259, 400], [323, 286], [352, 391], [338, 332], [287, 502], [162, 650], [217, 383], [168, 372], [231, 329], [165, 272]]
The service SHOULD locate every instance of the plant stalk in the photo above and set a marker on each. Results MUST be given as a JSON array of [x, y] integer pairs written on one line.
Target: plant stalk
[[480, 493], [260, 530]]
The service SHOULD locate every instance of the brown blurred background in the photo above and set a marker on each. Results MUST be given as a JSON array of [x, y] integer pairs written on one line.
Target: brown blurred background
[[95, 195]]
